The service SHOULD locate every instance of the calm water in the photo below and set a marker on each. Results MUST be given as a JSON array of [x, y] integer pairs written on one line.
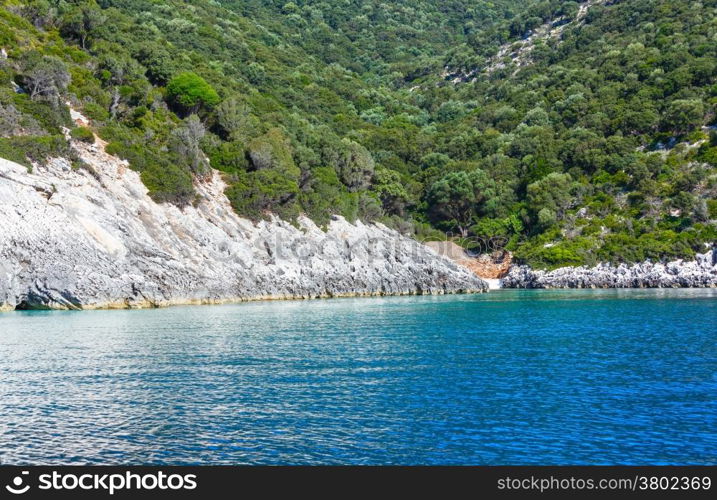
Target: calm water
[[511, 377]]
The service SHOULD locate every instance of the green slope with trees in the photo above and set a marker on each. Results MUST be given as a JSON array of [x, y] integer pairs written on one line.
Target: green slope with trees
[[595, 144]]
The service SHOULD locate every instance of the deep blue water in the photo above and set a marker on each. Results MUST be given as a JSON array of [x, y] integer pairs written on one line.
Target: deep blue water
[[510, 377]]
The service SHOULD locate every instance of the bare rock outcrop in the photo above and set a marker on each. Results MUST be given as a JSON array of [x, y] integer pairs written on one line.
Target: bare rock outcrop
[[93, 238], [698, 273], [487, 266]]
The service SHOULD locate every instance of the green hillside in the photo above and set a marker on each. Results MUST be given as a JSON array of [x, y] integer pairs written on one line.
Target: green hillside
[[567, 132]]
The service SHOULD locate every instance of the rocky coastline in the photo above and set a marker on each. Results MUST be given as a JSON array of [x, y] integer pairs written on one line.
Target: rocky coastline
[[698, 273], [87, 238], [499, 271]]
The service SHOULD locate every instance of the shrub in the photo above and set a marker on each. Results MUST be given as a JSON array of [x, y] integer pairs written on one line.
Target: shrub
[[40, 148], [272, 151], [96, 112], [161, 172], [712, 208], [229, 157], [49, 116], [257, 192], [325, 196], [9, 151], [541, 255], [83, 134], [10, 120], [168, 183], [233, 117]]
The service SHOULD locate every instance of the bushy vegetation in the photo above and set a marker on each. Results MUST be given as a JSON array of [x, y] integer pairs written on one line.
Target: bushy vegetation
[[82, 134], [28, 149], [596, 146], [600, 136]]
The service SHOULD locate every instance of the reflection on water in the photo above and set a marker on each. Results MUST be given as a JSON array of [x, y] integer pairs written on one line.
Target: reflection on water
[[510, 377]]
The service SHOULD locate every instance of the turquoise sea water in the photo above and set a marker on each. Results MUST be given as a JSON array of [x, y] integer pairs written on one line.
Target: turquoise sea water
[[510, 377]]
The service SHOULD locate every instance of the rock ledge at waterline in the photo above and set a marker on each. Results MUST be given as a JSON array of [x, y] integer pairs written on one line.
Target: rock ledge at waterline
[[92, 238], [698, 273]]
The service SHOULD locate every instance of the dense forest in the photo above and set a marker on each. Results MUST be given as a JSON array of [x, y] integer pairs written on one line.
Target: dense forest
[[567, 132]]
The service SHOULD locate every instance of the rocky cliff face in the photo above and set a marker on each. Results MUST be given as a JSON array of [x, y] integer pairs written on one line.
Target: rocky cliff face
[[700, 273], [90, 238]]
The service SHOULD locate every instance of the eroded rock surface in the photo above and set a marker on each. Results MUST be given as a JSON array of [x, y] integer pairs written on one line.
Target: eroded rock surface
[[699, 273], [89, 238]]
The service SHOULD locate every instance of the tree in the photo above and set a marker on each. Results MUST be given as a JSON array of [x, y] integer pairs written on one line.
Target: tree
[[459, 196], [546, 218], [272, 151], [323, 195], [233, 116], [39, 12], [261, 191], [391, 190], [551, 195], [158, 62], [290, 8], [81, 21], [683, 115], [189, 92], [355, 165], [569, 10], [255, 73], [186, 143], [44, 76]]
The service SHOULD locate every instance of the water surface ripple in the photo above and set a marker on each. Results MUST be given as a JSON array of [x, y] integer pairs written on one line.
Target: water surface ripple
[[510, 377]]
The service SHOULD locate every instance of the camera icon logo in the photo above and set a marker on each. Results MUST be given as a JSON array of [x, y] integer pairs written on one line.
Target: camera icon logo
[[17, 488]]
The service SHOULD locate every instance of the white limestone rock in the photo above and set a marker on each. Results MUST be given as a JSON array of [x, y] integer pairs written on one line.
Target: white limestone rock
[[699, 273], [81, 238]]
